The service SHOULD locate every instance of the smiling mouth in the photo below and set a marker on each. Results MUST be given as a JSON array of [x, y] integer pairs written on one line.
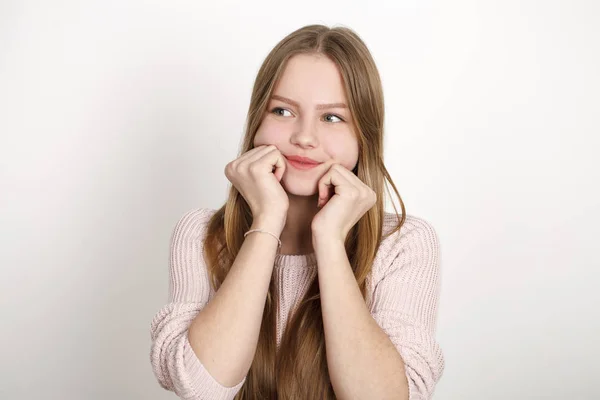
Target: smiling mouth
[[301, 165]]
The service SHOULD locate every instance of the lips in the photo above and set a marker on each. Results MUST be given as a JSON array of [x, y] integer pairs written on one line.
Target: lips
[[303, 160], [302, 163]]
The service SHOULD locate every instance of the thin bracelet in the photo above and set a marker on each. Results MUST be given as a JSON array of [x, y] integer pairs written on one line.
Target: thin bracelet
[[260, 230]]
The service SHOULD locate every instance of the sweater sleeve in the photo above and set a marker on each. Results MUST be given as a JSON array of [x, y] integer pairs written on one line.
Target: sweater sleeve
[[405, 302], [174, 363]]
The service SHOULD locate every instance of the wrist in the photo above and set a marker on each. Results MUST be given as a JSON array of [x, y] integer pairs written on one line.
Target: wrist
[[270, 224], [325, 240]]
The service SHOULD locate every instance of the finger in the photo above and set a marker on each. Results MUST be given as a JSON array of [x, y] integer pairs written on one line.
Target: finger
[[243, 160], [331, 183], [352, 178], [257, 155], [274, 161], [363, 191], [324, 194]]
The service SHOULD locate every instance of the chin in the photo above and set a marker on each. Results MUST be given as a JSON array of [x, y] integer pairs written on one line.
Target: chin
[[299, 187]]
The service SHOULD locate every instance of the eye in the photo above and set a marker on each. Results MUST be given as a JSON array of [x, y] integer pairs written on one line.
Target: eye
[[277, 109], [336, 116]]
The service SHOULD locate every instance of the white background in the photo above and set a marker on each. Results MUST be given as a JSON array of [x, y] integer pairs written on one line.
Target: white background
[[116, 117]]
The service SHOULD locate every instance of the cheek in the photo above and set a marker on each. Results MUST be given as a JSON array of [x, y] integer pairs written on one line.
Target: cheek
[[344, 150], [267, 134]]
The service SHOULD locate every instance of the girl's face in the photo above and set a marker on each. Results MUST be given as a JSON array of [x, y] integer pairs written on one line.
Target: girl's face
[[308, 116]]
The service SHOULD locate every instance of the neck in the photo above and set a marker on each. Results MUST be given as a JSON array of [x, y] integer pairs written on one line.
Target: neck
[[296, 236]]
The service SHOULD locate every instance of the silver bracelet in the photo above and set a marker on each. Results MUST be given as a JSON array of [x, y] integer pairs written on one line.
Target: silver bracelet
[[260, 230]]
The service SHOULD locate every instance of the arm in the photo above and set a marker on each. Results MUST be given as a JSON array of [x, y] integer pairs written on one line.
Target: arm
[[362, 361], [225, 333], [404, 306], [201, 348]]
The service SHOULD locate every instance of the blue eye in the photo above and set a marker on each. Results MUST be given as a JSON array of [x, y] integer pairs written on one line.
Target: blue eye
[[337, 116], [277, 109]]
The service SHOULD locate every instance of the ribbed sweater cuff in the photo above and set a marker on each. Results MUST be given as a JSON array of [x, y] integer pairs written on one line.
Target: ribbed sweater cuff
[[204, 383]]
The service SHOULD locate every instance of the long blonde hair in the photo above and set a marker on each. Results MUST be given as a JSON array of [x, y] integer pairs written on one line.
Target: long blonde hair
[[299, 369]]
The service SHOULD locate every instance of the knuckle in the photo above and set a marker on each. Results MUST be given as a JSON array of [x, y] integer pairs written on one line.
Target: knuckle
[[253, 169], [228, 168], [238, 167]]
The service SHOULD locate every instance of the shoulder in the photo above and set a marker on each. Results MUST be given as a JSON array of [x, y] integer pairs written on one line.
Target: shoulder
[[192, 224], [189, 281], [416, 243], [415, 230]]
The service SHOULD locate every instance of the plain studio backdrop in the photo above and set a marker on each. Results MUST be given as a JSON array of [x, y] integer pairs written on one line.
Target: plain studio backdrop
[[116, 117]]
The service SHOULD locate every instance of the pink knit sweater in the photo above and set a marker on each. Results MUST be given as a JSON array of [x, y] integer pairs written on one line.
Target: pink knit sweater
[[402, 296]]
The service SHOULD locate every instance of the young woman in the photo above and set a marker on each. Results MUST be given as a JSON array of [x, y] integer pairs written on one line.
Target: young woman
[[301, 286]]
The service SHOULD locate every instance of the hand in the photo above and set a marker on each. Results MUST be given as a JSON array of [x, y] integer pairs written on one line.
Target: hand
[[344, 199], [257, 174]]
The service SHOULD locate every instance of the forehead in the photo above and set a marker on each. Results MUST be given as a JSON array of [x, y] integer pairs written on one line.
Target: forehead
[[311, 78]]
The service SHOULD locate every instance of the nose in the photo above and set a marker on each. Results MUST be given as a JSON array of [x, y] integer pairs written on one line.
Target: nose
[[305, 135]]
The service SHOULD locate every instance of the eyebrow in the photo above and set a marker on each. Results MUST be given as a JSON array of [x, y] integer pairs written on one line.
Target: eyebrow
[[318, 107]]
